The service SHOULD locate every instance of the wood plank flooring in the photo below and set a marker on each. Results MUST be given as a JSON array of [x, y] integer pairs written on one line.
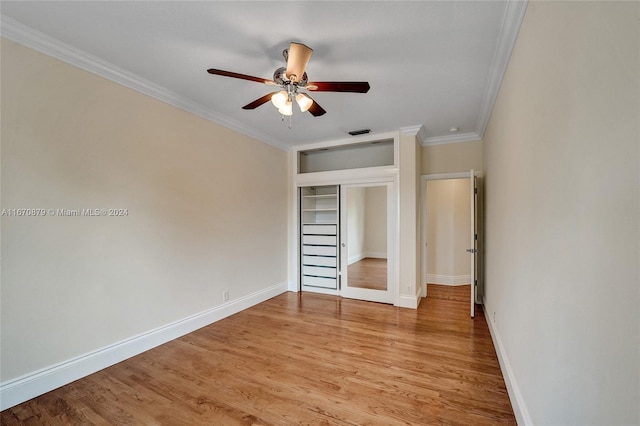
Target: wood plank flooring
[[368, 273], [299, 358], [458, 293]]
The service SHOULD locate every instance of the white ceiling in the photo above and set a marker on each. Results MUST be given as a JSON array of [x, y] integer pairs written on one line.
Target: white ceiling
[[435, 64]]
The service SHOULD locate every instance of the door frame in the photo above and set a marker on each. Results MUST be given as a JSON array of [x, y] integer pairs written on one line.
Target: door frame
[[392, 294], [423, 216]]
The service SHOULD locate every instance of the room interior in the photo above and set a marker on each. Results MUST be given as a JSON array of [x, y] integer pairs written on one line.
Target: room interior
[[110, 108]]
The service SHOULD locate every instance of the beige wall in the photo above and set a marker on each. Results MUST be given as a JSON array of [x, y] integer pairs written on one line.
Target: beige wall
[[563, 213], [356, 202], [375, 242], [206, 213], [366, 222], [448, 231], [451, 158]]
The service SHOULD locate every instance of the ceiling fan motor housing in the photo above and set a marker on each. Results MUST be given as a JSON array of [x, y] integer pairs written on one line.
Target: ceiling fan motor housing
[[280, 77]]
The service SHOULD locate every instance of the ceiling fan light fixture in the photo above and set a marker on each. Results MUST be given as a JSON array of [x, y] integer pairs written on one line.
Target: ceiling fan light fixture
[[287, 109], [280, 99], [304, 102]]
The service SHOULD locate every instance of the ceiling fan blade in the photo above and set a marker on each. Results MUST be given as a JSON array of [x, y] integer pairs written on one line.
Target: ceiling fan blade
[[299, 56], [338, 86], [263, 100], [316, 110], [240, 76]]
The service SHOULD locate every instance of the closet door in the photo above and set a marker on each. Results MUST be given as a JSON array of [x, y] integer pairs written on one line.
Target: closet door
[[367, 263]]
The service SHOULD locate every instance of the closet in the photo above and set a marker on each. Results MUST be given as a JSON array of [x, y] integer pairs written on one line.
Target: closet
[[319, 236], [327, 177], [344, 231]]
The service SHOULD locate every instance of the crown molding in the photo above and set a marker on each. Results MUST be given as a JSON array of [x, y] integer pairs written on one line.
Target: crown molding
[[418, 131], [441, 140], [411, 130], [511, 21], [31, 38]]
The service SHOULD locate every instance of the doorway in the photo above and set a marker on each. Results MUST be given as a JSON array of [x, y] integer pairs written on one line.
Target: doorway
[[450, 237]]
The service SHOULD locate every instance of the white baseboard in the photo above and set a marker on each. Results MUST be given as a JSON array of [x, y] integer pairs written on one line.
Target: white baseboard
[[449, 279], [517, 402], [29, 386], [410, 301], [356, 258], [368, 254], [376, 254]]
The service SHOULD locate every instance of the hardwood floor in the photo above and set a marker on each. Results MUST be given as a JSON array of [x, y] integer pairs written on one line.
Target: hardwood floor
[[458, 293], [368, 273], [299, 358]]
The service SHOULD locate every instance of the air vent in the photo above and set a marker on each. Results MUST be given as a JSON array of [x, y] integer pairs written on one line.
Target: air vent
[[359, 132]]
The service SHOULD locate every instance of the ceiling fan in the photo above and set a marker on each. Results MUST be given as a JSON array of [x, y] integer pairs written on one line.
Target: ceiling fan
[[293, 81]]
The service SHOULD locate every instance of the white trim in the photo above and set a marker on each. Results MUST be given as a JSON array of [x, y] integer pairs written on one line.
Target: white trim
[[312, 289], [423, 237], [293, 224], [457, 175], [29, 37], [366, 255], [515, 396], [449, 279], [441, 140], [392, 292], [347, 176], [418, 131], [375, 254], [511, 22], [423, 215], [408, 301], [411, 130], [23, 388]]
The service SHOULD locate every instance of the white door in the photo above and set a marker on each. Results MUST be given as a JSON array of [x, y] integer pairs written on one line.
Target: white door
[[473, 185], [367, 241]]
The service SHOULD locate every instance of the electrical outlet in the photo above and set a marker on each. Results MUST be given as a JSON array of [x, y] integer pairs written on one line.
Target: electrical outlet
[[225, 295]]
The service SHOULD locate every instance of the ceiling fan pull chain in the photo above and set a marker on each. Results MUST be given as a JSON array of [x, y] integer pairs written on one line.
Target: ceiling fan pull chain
[[290, 122]]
